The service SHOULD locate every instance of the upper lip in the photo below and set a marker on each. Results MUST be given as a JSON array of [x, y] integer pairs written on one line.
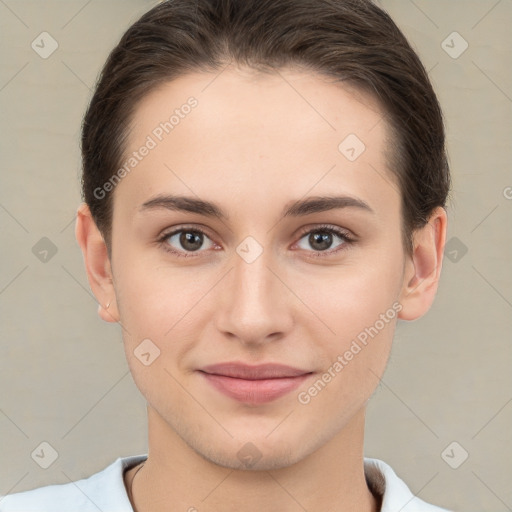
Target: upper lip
[[253, 372]]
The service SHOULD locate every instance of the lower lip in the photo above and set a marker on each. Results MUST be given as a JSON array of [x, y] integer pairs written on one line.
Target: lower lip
[[255, 391]]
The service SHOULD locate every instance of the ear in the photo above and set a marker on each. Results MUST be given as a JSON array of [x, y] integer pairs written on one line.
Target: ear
[[423, 270], [97, 263]]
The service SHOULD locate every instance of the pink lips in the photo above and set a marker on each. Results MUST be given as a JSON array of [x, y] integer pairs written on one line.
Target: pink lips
[[254, 384]]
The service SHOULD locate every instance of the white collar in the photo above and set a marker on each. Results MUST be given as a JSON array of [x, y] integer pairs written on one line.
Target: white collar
[[106, 491]]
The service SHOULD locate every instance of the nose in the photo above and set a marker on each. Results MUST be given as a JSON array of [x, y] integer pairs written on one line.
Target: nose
[[254, 304]]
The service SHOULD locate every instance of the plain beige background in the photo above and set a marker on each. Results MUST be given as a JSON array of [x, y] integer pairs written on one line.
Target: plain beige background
[[63, 375]]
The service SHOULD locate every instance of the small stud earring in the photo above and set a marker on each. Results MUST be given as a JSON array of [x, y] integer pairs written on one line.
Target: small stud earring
[[107, 306]]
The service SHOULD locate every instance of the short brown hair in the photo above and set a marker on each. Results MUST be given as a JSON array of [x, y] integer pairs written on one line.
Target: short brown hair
[[351, 41]]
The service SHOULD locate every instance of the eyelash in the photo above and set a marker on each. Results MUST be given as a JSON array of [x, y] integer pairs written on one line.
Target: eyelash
[[342, 234]]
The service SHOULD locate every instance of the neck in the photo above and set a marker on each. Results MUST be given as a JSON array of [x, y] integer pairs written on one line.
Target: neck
[[175, 477]]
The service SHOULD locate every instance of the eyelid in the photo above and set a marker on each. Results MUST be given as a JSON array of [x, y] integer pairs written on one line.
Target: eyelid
[[167, 232], [327, 227]]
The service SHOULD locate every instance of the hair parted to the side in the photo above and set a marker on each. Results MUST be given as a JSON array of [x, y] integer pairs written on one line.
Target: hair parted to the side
[[351, 41]]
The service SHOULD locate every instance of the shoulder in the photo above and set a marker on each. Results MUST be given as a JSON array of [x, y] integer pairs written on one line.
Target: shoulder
[[395, 494], [104, 490]]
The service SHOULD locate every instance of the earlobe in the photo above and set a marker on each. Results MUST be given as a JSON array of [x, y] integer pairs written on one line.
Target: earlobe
[[97, 264], [106, 314], [423, 270]]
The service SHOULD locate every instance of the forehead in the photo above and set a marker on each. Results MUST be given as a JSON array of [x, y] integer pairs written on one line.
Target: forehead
[[248, 138]]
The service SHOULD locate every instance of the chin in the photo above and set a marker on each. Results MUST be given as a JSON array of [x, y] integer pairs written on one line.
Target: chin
[[258, 452], [251, 458]]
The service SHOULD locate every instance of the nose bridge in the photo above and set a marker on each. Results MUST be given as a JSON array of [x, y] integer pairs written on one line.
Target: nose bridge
[[252, 286], [254, 302]]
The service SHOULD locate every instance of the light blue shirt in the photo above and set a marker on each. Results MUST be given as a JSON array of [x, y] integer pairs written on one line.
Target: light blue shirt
[[105, 491]]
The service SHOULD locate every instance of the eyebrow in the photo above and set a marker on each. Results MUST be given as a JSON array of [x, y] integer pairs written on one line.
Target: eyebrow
[[294, 209]]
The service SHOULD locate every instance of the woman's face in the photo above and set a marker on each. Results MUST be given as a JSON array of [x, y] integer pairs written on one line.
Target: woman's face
[[268, 280]]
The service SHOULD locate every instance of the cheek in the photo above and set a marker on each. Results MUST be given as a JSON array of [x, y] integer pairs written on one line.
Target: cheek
[[156, 311], [350, 298], [168, 306], [358, 307], [152, 299], [362, 312]]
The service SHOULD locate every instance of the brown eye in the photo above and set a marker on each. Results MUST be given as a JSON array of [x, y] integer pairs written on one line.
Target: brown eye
[[183, 241], [191, 241], [322, 239]]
